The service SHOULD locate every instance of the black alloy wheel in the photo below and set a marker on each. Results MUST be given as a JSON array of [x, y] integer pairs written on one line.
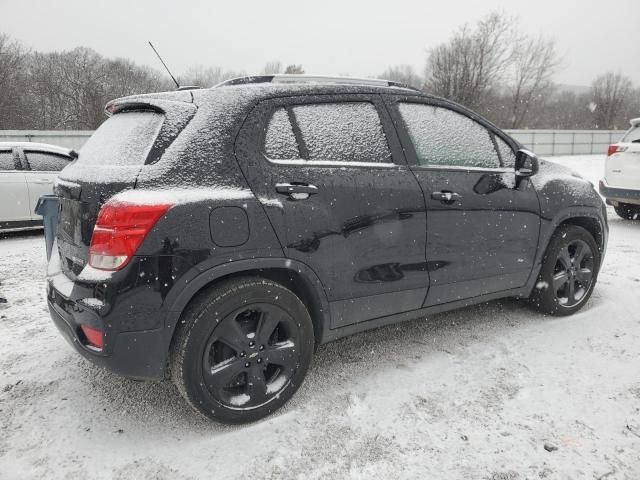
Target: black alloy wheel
[[573, 273], [569, 271], [251, 356], [242, 349]]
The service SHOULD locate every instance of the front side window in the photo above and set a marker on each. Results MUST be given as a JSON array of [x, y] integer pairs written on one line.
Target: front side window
[[46, 162], [506, 152], [444, 137], [328, 132], [6, 160]]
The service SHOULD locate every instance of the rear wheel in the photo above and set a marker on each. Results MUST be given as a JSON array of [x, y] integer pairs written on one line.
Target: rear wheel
[[243, 349], [628, 211], [569, 271]]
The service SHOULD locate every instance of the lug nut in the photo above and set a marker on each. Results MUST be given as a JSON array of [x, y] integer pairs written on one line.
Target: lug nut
[[252, 343], [242, 354], [246, 365], [259, 360], [261, 347]]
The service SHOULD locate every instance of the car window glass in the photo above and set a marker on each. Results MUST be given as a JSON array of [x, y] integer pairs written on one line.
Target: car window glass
[[280, 142], [46, 162], [506, 152], [632, 135], [6, 160], [444, 137], [342, 132]]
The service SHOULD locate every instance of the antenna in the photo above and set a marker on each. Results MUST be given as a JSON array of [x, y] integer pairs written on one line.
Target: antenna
[[164, 64]]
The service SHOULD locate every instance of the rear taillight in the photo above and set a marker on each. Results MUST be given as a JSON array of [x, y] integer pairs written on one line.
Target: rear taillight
[[615, 149], [120, 229], [93, 336]]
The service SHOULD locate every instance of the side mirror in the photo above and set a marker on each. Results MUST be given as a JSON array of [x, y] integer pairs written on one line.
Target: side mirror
[[527, 164]]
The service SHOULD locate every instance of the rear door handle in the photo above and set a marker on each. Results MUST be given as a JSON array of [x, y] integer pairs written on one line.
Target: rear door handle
[[296, 191], [43, 180], [447, 197]]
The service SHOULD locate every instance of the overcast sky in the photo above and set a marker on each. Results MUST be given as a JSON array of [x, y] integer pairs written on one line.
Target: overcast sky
[[356, 37]]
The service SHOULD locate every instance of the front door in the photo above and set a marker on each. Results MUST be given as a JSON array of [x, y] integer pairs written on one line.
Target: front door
[[482, 228], [331, 176]]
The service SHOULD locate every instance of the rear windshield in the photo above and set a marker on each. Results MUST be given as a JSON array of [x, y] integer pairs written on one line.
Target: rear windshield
[[124, 139], [632, 135]]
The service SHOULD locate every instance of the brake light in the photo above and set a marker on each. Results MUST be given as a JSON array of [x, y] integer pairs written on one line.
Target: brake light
[[93, 336], [615, 149], [120, 229]]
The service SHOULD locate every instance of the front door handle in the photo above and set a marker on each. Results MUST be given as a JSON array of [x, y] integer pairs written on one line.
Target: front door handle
[[43, 180], [447, 197], [296, 191]]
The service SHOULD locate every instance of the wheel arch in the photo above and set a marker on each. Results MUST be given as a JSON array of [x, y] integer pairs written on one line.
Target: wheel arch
[[294, 275]]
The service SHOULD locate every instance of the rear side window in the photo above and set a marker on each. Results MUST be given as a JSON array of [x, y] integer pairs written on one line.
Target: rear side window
[[444, 137], [334, 132], [632, 135], [6, 160], [124, 139], [46, 162], [280, 141]]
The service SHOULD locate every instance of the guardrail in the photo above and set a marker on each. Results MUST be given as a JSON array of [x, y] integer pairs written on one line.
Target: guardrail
[[542, 142]]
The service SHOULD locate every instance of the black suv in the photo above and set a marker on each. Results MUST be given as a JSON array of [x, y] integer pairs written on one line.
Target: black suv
[[218, 236]]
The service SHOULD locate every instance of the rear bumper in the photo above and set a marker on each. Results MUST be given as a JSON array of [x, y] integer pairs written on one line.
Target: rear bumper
[[616, 195], [136, 354]]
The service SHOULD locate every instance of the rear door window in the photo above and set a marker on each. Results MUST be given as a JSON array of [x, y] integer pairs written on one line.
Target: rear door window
[[124, 139], [328, 132], [6, 160], [46, 162], [443, 137]]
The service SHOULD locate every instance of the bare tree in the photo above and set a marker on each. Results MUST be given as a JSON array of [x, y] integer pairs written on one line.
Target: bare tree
[[534, 63], [403, 74], [272, 68], [13, 66], [294, 69], [207, 76], [609, 93], [467, 67]]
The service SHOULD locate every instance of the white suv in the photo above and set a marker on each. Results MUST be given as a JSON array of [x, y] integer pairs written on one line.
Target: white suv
[[27, 171], [621, 182]]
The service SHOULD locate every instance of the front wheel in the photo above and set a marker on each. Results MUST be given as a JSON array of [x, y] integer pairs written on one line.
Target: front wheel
[[628, 211], [569, 271], [242, 350]]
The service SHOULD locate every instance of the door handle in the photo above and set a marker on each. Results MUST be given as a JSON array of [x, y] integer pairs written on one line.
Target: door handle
[[446, 197], [42, 180], [296, 191]]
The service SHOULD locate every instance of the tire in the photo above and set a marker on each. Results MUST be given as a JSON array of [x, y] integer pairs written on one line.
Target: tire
[[628, 211], [242, 349], [569, 272]]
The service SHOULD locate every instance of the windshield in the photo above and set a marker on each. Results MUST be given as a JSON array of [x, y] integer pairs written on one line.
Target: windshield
[[124, 139]]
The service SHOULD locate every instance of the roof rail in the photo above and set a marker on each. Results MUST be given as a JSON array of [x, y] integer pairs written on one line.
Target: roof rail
[[317, 79]]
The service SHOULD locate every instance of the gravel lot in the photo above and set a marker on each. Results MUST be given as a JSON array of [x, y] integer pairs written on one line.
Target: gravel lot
[[476, 393]]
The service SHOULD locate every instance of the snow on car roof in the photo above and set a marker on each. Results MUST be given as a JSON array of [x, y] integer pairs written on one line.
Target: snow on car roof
[[40, 147]]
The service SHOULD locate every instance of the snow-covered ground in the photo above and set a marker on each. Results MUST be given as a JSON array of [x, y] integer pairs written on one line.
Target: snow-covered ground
[[475, 393]]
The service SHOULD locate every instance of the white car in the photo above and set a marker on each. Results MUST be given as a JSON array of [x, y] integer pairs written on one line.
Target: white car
[[27, 171], [621, 182]]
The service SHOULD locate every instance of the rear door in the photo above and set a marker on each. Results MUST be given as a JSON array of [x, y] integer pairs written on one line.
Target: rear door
[[41, 170], [332, 178], [482, 229], [14, 195]]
